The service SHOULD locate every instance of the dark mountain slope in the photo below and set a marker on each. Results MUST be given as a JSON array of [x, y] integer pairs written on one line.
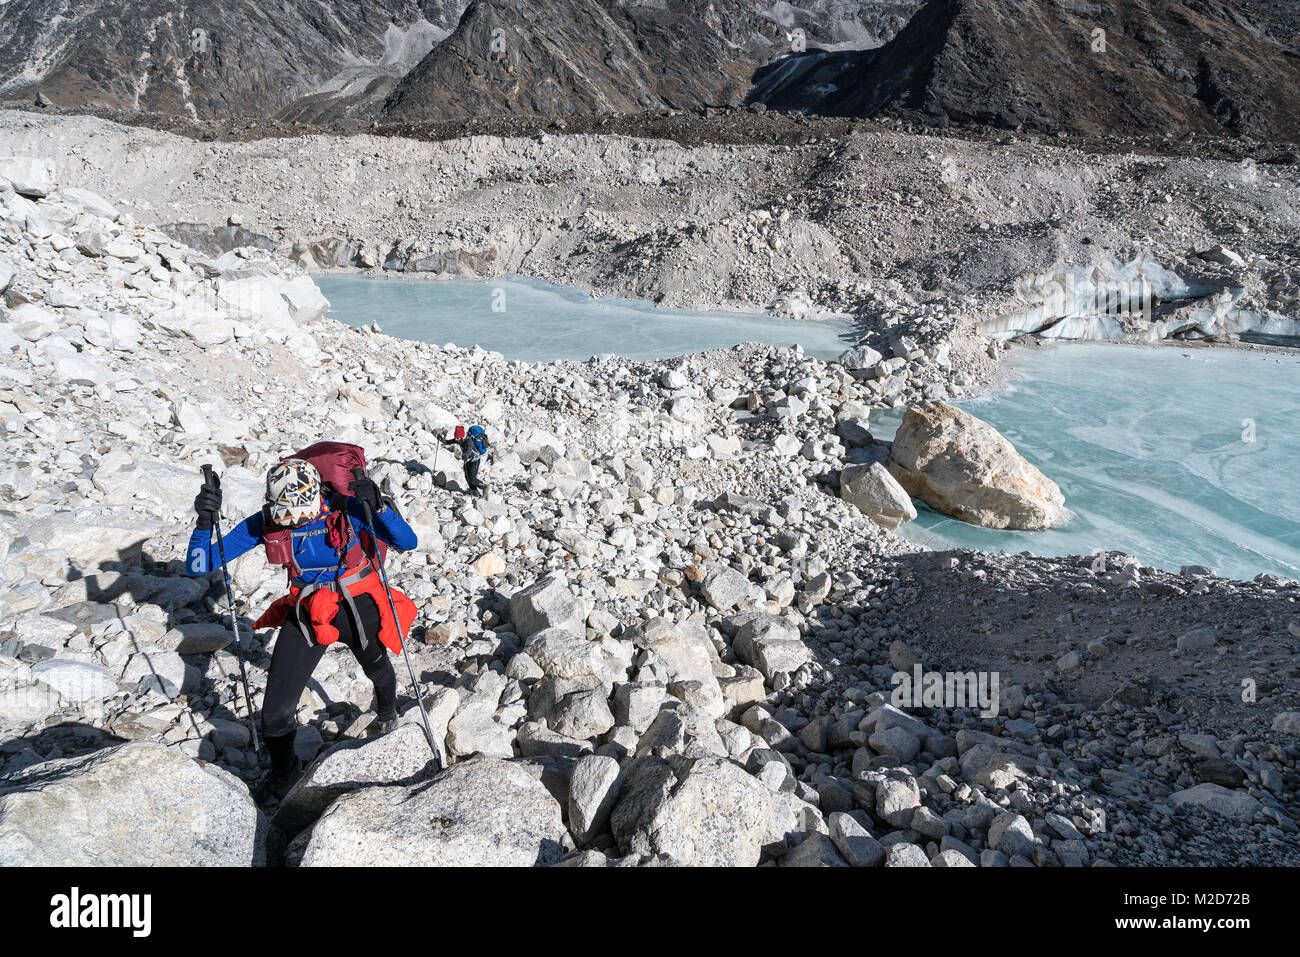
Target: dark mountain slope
[[208, 58], [584, 56], [1157, 66]]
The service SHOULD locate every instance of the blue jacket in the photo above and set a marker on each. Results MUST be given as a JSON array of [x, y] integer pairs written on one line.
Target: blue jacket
[[312, 551]]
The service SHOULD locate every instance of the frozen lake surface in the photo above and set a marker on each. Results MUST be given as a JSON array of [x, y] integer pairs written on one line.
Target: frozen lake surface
[[1180, 456], [539, 322]]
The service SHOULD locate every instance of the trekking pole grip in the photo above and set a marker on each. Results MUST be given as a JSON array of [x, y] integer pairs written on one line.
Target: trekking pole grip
[[209, 476]]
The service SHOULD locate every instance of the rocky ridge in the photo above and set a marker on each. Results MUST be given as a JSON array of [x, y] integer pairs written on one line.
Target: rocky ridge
[[921, 239], [646, 647]]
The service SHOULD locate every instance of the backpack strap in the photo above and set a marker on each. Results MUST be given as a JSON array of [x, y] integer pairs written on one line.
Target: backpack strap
[[278, 544]]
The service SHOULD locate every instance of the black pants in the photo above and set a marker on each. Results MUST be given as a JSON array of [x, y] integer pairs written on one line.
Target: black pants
[[471, 475], [296, 657]]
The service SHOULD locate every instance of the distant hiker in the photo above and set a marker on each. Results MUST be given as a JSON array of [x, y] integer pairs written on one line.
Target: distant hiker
[[474, 448], [318, 534]]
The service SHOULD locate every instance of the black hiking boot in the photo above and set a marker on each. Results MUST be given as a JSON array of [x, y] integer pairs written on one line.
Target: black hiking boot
[[381, 726], [273, 787]]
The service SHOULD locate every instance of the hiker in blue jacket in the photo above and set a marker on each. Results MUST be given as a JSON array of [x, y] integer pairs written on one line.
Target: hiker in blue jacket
[[474, 448], [334, 593]]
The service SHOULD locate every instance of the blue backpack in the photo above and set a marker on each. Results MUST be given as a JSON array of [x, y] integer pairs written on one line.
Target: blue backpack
[[478, 439]]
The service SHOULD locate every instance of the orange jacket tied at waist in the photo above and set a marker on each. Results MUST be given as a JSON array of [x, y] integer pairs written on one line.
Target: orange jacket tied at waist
[[322, 605]]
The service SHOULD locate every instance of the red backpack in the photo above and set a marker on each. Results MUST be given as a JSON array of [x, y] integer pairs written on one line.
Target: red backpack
[[335, 462]]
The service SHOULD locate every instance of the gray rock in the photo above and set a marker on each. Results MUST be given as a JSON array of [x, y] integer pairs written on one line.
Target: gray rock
[[702, 811], [197, 638], [30, 176], [581, 714], [400, 757], [903, 854], [854, 841], [1011, 834], [1218, 800], [816, 850], [687, 655], [860, 357], [563, 653], [1063, 827], [876, 494], [897, 742], [473, 730], [23, 704], [482, 812], [77, 681], [951, 858], [136, 805], [93, 203], [897, 797], [593, 791], [1197, 640], [771, 644], [536, 740], [167, 666], [547, 603], [667, 730], [228, 734], [1287, 722], [929, 824], [636, 703], [725, 588], [852, 424]]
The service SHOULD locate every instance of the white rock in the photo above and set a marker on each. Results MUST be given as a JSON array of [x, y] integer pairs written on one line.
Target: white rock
[[29, 176], [92, 203], [138, 804], [190, 420], [877, 494], [76, 681], [593, 790], [483, 812]]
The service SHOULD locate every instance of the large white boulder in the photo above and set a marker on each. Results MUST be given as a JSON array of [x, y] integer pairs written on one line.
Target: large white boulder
[[482, 812], [76, 681], [195, 319], [962, 466], [137, 805], [258, 301], [161, 484]]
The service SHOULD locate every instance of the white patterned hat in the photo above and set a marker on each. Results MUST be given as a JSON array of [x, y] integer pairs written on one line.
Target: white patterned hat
[[293, 492]]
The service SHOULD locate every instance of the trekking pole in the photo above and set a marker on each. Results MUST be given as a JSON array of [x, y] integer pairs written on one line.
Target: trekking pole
[[383, 578], [211, 481]]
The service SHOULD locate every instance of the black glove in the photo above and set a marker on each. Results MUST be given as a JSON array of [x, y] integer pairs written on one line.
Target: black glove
[[366, 492], [207, 504]]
